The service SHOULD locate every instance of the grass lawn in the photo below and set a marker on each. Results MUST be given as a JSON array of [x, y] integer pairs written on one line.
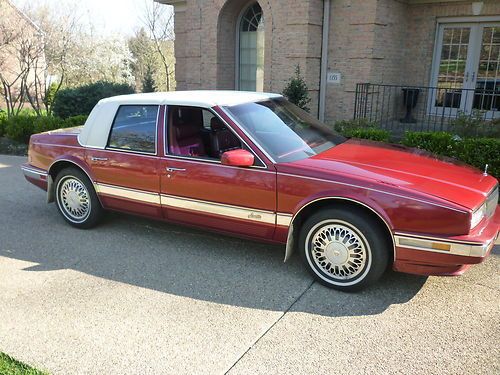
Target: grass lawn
[[9, 366]]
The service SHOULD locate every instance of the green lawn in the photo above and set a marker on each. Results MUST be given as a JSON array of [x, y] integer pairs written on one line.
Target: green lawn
[[9, 366]]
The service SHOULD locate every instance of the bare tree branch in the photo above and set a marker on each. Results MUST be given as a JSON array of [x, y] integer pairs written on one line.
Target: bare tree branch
[[159, 21]]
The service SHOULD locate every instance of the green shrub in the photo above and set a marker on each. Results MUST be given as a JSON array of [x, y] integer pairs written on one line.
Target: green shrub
[[346, 126], [436, 142], [480, 151], [20, 128], [492, 128], [474, 151], [296, 91], [3, 121], [75, 121], [80, 100], [148, 82], [362, 128], [51, 94], [475, 125], [46, 123], [27, 111], [369, 133]]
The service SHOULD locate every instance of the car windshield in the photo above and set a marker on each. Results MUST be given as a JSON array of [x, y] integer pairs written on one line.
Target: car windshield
[[283, 130]]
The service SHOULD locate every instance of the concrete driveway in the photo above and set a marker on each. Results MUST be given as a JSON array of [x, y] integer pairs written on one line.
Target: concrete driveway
[[135, 296]]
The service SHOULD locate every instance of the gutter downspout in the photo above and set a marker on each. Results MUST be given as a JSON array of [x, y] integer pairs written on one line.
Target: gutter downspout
[[324, 60]]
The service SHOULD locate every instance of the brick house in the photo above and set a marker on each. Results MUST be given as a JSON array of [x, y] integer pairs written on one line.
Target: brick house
[[21, 42], [256, 45]]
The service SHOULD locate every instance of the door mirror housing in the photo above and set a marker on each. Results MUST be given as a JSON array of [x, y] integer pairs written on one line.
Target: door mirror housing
[[237, 158]]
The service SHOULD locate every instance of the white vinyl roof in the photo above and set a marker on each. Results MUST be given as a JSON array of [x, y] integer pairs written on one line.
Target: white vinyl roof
[[96, 129], [199, 98]]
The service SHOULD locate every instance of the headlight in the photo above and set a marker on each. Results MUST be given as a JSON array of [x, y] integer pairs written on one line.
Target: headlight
[[477, 216]]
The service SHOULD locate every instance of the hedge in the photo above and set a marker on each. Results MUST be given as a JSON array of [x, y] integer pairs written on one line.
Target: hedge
[[474, 125], [78, 120], [362, 128], [80, 100], [440, 143], [474, 151], [21, 127], [3, 120], [369, 133]]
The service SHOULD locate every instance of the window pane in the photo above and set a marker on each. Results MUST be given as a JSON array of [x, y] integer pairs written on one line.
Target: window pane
[[196, 132], [452, 65], [134, 128], [300, 134], [251, 54], [487, 93]]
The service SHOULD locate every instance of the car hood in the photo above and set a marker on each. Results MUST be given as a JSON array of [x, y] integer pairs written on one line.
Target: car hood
[[404, 167]]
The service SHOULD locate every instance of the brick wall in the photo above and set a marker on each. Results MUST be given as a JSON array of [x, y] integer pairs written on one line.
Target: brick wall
[[385, 41], [378, 41], [366, 44], [205, 43]]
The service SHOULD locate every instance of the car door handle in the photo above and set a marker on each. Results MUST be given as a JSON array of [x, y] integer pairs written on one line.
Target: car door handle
[[93, 158], [171, 169]]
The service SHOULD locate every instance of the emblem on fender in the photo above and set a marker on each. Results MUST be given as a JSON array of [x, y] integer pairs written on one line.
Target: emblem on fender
[[254, 216], [485, 173]]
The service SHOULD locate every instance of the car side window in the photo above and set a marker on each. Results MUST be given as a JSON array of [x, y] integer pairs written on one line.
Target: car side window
[[134, 128], [197, 132]]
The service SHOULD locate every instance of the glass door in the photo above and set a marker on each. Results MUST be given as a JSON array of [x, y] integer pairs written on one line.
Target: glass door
[[452, 69], [486, 75], [467, 70]]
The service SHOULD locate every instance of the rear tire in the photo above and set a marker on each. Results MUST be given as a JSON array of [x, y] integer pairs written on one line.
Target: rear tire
[[76, 199], [344, 248]]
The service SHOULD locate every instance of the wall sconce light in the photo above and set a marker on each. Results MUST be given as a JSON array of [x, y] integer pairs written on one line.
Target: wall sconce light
[[477, 7]]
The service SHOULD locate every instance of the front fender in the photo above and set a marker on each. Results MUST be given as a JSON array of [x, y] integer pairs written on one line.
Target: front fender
[[334, 197]]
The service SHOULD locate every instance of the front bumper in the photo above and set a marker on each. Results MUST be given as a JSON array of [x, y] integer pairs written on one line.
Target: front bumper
[[422, 255]]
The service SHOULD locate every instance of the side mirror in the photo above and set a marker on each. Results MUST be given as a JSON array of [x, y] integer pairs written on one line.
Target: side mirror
[[237, 158]]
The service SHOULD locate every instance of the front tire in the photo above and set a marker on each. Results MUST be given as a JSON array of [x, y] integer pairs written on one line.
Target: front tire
[[344, 248], [76, 199]]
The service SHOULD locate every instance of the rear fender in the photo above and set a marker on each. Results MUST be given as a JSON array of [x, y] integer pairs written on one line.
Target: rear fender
[[67, 159]]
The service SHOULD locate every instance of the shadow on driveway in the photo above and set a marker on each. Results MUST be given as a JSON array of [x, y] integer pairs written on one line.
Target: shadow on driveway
[[173, 259]]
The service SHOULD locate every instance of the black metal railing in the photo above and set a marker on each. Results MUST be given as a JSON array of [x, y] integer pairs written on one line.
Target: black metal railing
[[398, 108]]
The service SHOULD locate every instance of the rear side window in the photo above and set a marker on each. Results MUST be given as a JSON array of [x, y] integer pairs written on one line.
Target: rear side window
[[134, 128]]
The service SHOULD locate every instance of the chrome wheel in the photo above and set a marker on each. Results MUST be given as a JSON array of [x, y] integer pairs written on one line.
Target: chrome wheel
[[338, 252], [73, 199]]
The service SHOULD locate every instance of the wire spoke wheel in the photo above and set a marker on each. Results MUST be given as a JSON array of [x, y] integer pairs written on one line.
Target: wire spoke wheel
[[74, 199], [338, 251], [345, 247]]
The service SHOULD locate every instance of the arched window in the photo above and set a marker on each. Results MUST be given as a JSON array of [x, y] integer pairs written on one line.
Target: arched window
[[251, 49]]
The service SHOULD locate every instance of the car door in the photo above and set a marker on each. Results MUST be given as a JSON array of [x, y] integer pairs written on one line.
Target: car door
[[126, 171], [197, 189]]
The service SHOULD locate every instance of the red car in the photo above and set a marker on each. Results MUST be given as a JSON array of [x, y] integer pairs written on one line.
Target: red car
[[254, 165]]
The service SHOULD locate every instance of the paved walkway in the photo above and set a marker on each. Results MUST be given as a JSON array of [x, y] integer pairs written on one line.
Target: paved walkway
[[140, 297]]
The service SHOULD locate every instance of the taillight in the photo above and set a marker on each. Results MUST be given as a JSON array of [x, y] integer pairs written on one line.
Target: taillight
[[29, 150]]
